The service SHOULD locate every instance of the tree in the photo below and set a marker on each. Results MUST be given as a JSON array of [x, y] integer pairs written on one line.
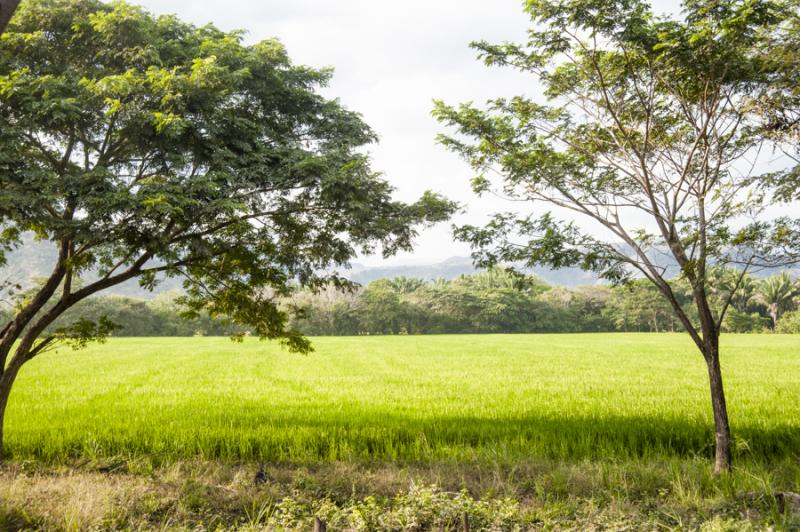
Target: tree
[[779, 101], [728, 284], [647, 138], [330, 311], [777, 293], [406, 285], [7, 8], [638, 306], [145, 147]]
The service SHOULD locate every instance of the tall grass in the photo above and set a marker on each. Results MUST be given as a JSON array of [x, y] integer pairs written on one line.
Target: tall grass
[[483, 398]]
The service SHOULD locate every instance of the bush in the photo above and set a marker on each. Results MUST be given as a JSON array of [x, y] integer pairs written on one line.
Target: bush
[[420, 508], [789, 323], [742, 322]]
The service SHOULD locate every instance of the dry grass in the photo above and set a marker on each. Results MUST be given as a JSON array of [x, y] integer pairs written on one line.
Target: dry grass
[[211, 495], [68, 500]]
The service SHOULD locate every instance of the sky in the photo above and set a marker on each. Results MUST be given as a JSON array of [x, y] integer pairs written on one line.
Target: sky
[[391, 59]]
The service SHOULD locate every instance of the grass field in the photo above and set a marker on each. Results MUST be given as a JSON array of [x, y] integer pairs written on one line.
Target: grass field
[[576, 432], [465, 398]]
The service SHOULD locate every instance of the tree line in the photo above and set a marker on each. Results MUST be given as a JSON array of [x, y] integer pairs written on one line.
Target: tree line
[[492, 301], [502, 301]]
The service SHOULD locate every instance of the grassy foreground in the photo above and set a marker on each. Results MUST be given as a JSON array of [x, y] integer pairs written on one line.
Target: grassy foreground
[[495, 398], [401, 433]]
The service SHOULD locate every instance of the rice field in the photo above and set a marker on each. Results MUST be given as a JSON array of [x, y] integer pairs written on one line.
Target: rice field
[[488, 398]]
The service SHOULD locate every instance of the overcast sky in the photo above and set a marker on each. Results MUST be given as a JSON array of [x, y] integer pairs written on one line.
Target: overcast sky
[[391, 60]]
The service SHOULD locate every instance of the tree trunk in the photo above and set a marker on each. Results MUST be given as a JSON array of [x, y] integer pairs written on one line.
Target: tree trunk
[[773, 314], [5, 391], [7, 8], [7, 378], [722, 430], [6, 381]]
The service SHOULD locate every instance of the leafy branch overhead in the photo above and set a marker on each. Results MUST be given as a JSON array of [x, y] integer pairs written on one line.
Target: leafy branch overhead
[[144, 147]]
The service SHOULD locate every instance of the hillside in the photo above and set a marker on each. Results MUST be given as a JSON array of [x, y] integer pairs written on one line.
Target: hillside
[[455, 266], [34, 259]]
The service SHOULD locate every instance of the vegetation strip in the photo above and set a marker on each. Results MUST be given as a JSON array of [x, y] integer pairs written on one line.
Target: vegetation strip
[[137, 494]]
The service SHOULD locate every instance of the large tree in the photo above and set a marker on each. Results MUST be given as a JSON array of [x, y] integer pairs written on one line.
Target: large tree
[[144, 147], [647, 144]]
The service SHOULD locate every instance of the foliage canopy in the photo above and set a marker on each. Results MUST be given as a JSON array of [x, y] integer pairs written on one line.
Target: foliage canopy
[[142, 145], [651, 131]]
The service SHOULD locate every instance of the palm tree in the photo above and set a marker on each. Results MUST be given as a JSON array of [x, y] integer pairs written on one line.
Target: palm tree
[[723, 281], [440, 283], [748, 286], [406, 285], [777, 293]]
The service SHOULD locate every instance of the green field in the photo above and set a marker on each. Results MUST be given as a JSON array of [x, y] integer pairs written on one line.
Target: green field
[[405, 398]]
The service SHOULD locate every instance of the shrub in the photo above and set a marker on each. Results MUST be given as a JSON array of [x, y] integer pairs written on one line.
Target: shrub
[[789, 323]]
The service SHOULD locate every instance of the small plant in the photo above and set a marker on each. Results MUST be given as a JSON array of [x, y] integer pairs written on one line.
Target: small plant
[[258, 513]]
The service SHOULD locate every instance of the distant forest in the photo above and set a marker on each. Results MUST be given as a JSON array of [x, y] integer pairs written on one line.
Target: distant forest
[[493, 301]]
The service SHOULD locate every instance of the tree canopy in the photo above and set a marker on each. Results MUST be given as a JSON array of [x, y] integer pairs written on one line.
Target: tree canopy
[[143, 147], [648, 132]]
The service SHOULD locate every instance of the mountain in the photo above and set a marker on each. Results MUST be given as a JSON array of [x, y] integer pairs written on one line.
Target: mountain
[[34, 260], [455, 266]]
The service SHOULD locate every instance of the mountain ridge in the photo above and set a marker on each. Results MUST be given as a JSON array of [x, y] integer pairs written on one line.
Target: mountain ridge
[[34, 259]]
